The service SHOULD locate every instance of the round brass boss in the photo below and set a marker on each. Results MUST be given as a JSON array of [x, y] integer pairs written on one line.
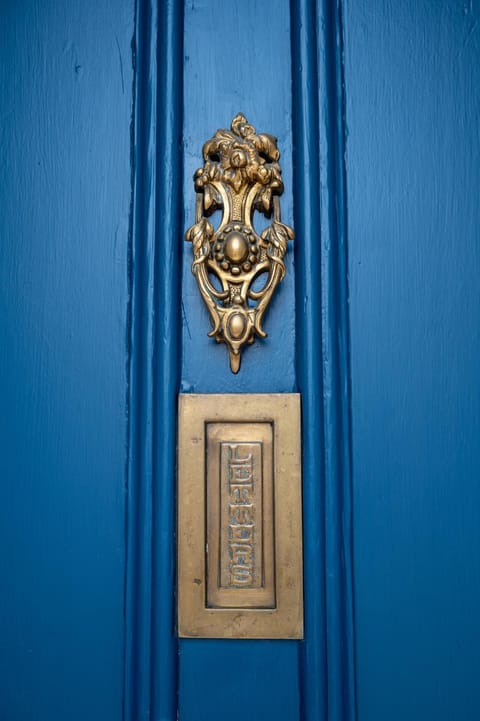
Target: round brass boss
[[236, 247]]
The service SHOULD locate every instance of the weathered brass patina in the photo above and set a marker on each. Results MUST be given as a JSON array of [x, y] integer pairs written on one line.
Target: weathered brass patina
[[239, 516], [240, 174]]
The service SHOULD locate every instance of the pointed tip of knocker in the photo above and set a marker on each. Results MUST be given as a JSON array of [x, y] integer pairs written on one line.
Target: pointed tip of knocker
[[235, 359]]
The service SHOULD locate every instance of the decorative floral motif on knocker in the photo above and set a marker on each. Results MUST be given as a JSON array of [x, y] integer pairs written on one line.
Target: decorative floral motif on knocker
[[240, 174]]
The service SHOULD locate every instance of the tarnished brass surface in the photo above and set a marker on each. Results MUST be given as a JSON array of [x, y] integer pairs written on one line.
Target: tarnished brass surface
[[240, 528], [240, 175], [239, 516]]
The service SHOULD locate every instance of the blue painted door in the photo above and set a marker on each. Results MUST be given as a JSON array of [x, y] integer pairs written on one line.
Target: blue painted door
[[105, 107]]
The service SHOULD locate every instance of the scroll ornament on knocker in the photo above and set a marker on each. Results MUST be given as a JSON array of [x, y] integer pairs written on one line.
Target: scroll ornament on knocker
[[240, 174]]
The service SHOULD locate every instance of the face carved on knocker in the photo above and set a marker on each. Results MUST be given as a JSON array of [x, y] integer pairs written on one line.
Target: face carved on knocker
[[240, 175]]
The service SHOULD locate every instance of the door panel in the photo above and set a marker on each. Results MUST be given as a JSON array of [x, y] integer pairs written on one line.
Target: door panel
[[233, 65], [237, 59], [66, 98], [413, 165]]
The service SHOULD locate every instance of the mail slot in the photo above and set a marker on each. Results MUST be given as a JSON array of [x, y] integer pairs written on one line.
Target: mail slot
[[239, 516]]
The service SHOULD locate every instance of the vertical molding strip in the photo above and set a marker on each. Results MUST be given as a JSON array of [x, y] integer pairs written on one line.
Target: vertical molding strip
[[336, 372], [169, 243], [327, 660], [306, 171], [154, 351]]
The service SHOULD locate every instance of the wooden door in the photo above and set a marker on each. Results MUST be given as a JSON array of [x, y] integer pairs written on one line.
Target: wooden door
[[105, 109]]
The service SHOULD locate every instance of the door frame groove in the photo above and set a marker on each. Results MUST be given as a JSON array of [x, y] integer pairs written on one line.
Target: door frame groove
[[327, 670]]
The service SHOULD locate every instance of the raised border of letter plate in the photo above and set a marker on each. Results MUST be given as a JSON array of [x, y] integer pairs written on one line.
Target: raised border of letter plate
[[239, 520]]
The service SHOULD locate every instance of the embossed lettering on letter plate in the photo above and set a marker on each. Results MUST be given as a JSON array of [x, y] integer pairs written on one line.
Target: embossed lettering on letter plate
[[240, 528], [239, 516]]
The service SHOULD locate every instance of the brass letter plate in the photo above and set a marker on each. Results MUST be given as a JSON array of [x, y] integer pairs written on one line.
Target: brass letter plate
[[239, 516]]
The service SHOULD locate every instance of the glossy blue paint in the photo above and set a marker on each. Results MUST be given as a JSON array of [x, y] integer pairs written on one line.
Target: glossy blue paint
[[340, 631], [413, 171], [237, 58], [306, 163], [169, 202], [151, 652], [377, 110], [65, 188], [327, 669], [226, 45]]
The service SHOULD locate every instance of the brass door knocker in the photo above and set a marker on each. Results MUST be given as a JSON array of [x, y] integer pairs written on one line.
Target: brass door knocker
[[240, 174]]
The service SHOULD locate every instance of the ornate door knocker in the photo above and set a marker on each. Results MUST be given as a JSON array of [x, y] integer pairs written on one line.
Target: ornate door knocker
[[240, 174]]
